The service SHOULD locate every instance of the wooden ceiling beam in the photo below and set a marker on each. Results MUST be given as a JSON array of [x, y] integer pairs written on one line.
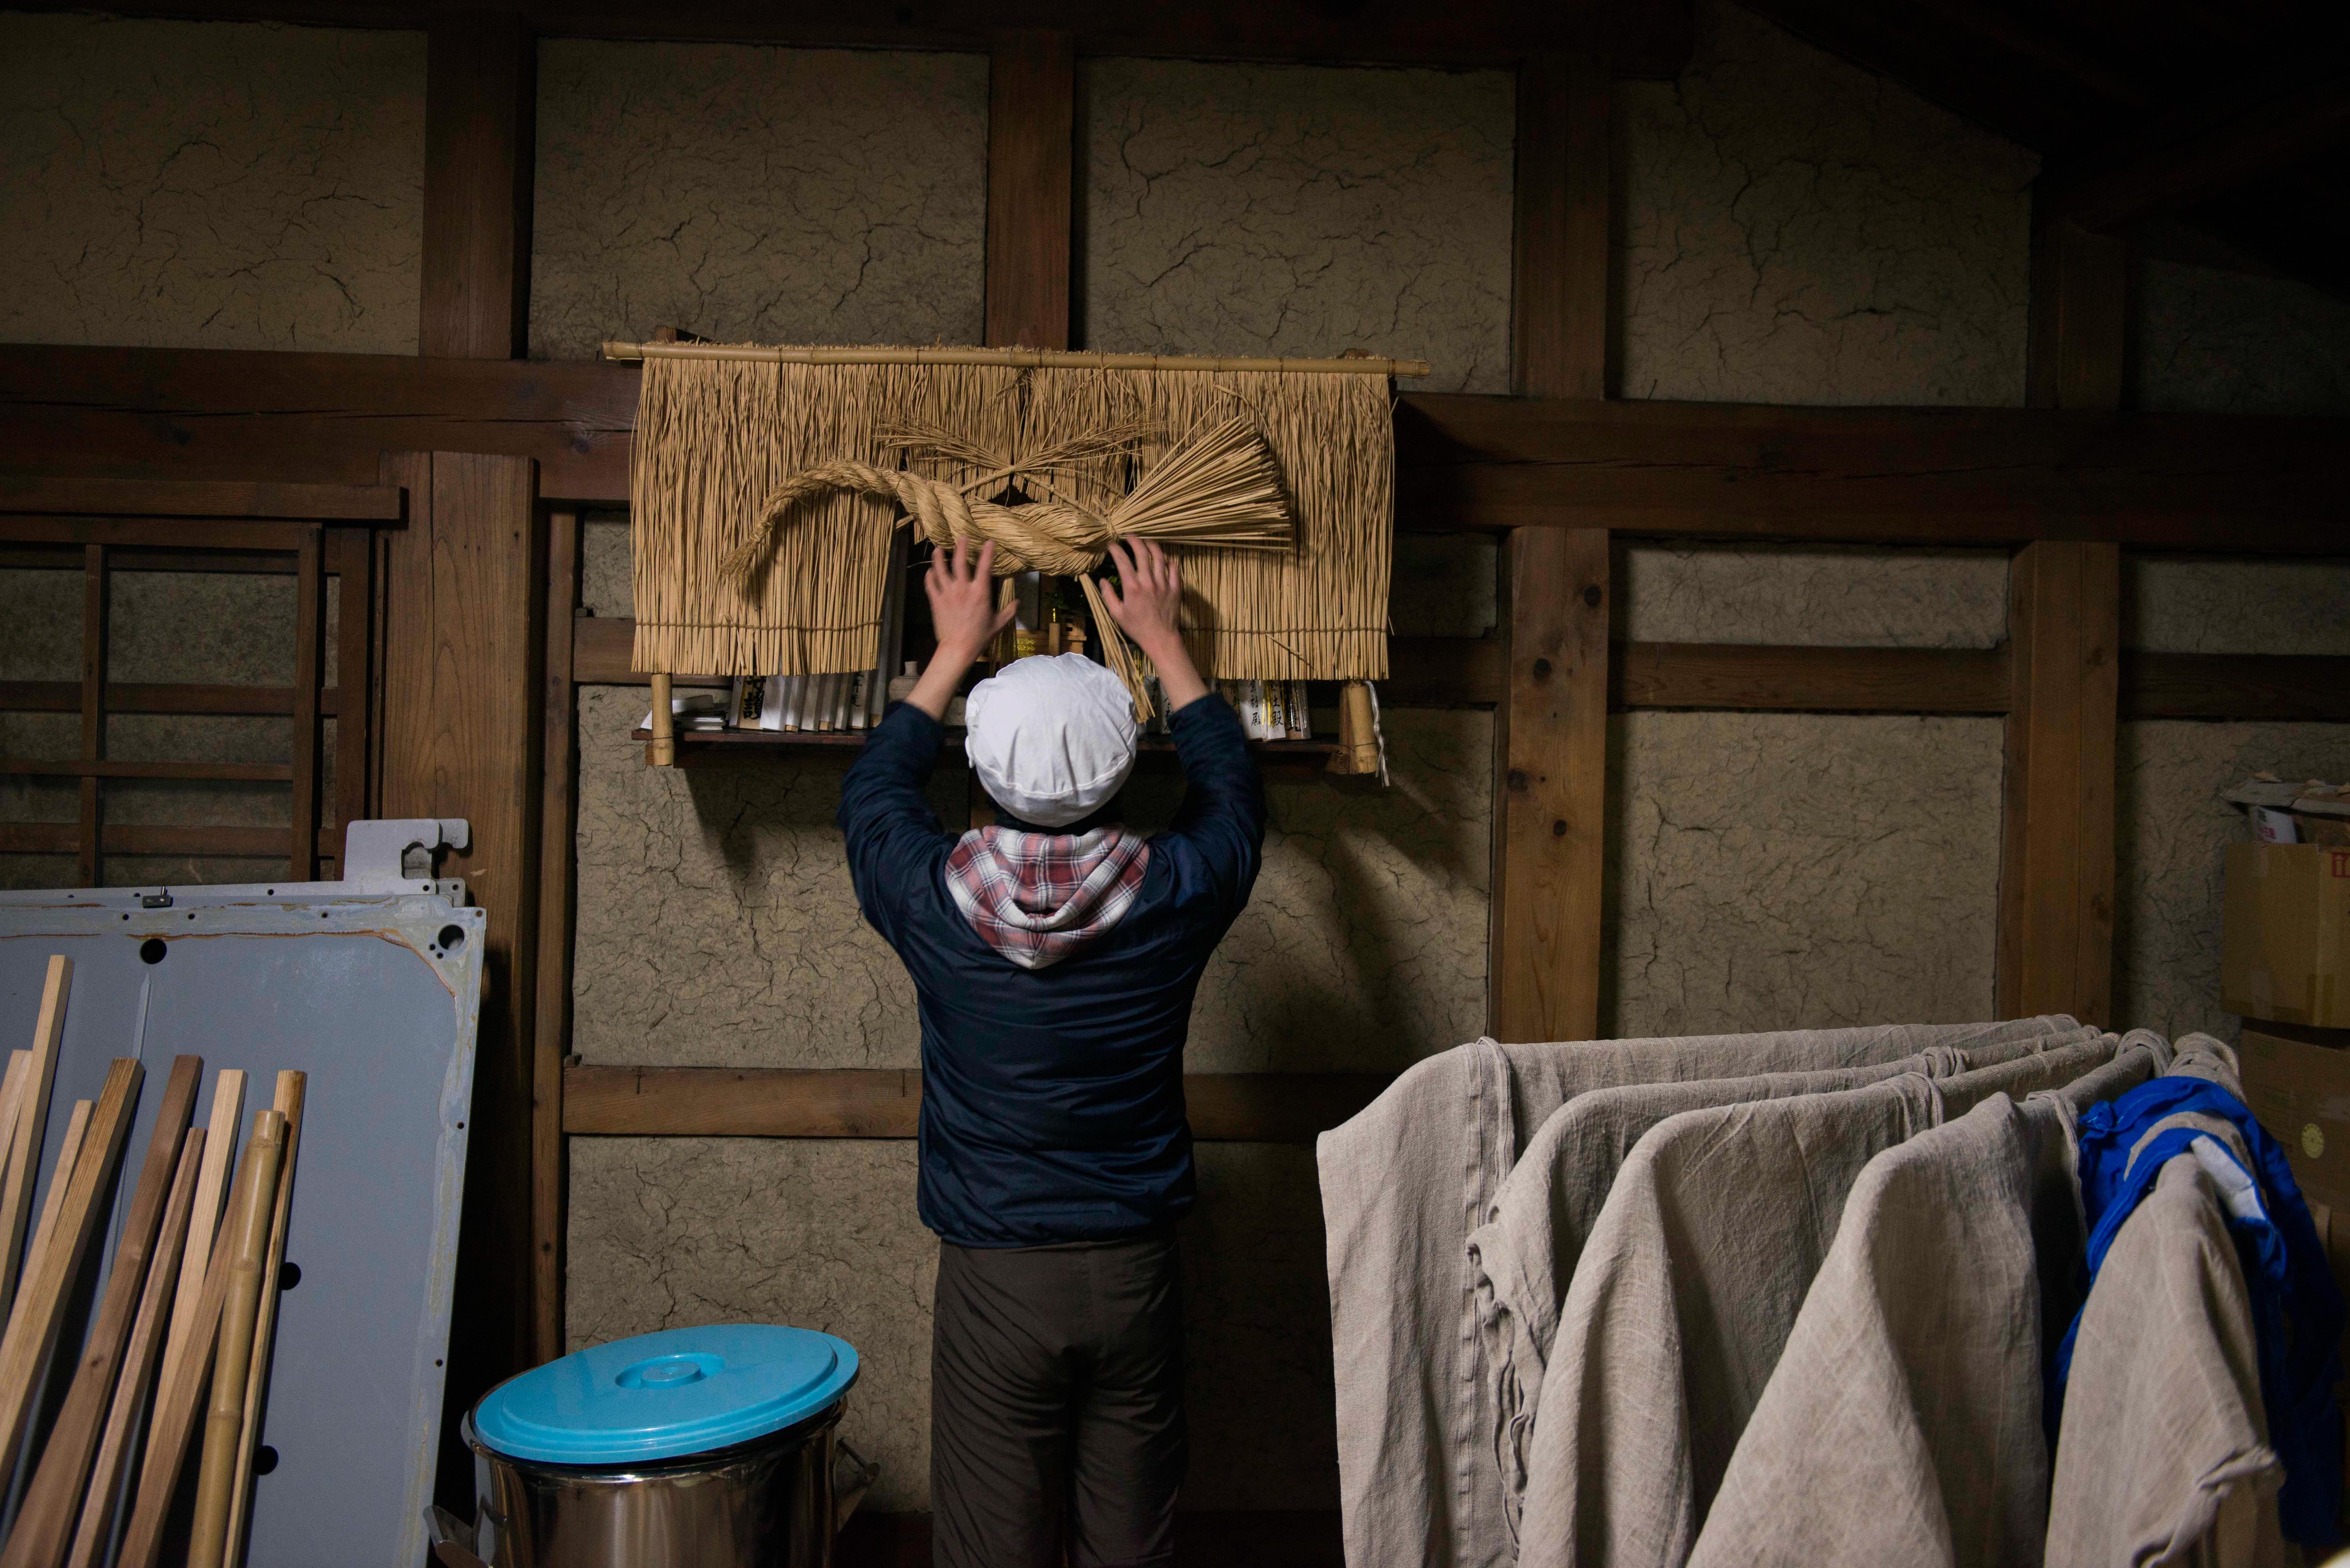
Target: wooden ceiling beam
[[1643, 37], [1952, 476], [2179, 160]]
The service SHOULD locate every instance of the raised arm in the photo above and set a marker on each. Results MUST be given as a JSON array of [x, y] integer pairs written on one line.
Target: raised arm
[[893, 836]]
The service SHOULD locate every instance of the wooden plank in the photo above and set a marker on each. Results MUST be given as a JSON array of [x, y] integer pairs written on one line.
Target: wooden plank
[[1031, 156], [2267, 686], [198, 498], [881, 1103], [226, 413], [2056, 876], [40, 1310], [1560, 320], [29, 1128], [292, 1092], [310, 656], [104, 768], [463, 736], [2239, 130], [1550, 799], [557, 864], [353, 557], [95, 1533], [43, 1532], [199, 533], [1649, 37], [1809, 680], [2080, 296], [480, 93], [60, 1179], [147, 697]]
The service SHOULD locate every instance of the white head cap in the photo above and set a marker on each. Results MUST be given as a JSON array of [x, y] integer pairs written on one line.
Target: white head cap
[[1052, 737]]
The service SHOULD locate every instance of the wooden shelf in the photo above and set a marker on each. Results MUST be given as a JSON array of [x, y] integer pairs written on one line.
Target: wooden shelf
[[749, 742]]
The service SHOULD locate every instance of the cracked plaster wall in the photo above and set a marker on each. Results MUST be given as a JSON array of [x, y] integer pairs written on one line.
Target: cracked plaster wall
[[2209, 340], [1797, 230], [211, 184], [747, 193], [1298, 210], [667, 1232], [1780, 871]]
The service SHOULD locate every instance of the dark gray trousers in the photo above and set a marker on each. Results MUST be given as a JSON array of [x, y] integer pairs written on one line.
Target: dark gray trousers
[[1056, 1405]]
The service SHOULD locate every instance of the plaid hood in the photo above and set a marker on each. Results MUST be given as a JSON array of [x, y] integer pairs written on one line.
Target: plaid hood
[[1037, 897]]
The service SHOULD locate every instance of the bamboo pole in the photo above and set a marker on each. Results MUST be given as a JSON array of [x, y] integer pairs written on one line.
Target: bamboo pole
[[211, 1191], [246, 1250], [292, 1090], [662, 750], [1017, 358], [176, 1401], [32, 1125], [32, 1333], [44, 1521], [140, 1361]]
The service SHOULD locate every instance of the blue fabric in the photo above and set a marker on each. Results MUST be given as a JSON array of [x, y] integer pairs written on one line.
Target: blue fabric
[[1053, 1099], [2297, 1311]]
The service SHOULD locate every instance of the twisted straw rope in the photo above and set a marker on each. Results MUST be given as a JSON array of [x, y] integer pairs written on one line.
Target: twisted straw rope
[[1045, 535]]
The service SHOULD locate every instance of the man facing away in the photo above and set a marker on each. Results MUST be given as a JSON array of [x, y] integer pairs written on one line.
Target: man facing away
[[1054, 956]]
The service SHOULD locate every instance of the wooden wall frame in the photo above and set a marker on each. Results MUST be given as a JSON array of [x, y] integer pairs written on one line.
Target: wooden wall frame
[[104, 526]]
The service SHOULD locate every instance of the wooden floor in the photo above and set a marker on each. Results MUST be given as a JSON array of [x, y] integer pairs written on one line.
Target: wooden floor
[[1301, 1539]]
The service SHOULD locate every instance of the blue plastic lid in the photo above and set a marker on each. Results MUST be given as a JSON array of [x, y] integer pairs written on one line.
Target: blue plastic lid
[[660, 1395]]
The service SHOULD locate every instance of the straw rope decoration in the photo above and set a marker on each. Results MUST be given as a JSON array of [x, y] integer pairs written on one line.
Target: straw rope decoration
[[765, 494]]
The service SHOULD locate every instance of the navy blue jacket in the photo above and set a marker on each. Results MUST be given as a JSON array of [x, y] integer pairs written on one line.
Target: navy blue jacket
[[1053, 1099]]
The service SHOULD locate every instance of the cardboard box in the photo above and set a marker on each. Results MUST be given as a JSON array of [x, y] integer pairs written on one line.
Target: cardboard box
[[2284, 934], [2298, 1084]]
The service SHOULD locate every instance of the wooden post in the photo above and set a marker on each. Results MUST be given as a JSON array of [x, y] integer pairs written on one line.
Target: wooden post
[[1550, 727], [557, 813], [93, 708], [463, 675], [479, 92], [2057, 873], [309, 654], [2056, 876], [1031, 171]]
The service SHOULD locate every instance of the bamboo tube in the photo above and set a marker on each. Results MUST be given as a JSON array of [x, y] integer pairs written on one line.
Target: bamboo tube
[[1016, 359], [247, 1250], [292, 1089], [31, 1126], [1359, 743], [32, 1335], [211, 1191], [177, 1401], [662, 751], [139, 1359]]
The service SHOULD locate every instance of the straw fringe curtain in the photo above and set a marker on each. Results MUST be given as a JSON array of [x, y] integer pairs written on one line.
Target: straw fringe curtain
[[714, 436]]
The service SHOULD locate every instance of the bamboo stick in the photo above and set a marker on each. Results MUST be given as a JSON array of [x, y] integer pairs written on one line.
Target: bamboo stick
[[139, 1360], [44, 1521], [176, 1401], [32, 1333], [292, 1091], [68, 1151], [31, 1126], [1017, 358], [663, 753], [211, 1191], [246, 1251]]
